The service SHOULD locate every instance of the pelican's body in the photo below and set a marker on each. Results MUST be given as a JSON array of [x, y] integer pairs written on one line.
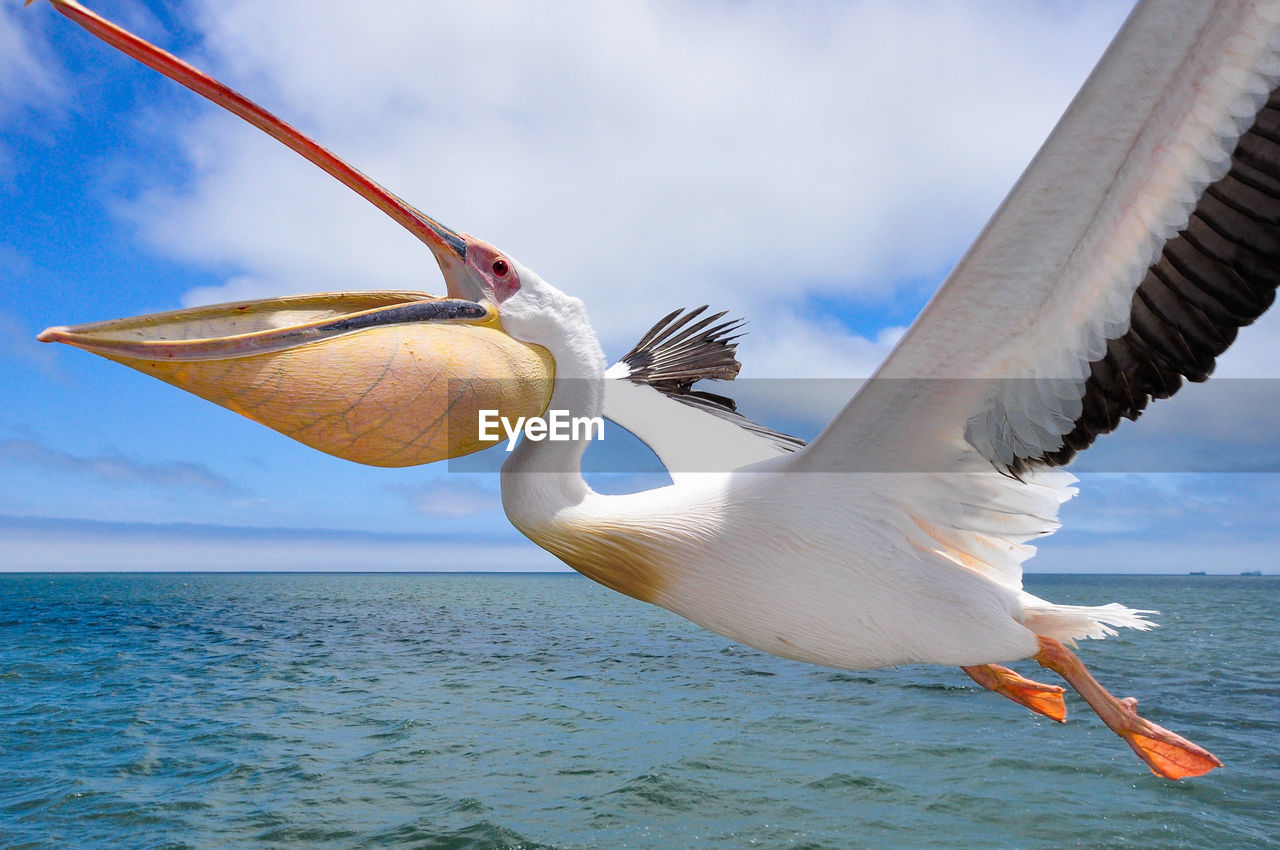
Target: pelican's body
[[758, 558], [1146, 231], [831, 569]]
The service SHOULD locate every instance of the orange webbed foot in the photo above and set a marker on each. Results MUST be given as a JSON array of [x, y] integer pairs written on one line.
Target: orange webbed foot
[[1167, 754], [1040, 698]]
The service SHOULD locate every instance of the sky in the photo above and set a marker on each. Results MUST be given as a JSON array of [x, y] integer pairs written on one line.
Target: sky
[[815, 169]]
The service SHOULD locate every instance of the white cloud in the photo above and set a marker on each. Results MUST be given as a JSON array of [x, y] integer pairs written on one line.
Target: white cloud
[[451, 496], [814, 348], [75, 545], [639, 154], [240, 288], [30, 79], [1165, 524], [1256, 352], [799, 374], [1223, 555], [115, 468], [27, 74]]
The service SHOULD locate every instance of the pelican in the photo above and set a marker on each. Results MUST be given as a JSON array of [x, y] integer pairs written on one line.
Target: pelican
[[1144, 233]]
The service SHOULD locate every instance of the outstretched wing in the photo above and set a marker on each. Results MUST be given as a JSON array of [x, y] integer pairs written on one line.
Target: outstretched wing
[[650, 392], [1144, 233]]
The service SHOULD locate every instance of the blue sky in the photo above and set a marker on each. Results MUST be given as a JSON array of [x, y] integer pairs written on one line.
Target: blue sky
[[817, 172]]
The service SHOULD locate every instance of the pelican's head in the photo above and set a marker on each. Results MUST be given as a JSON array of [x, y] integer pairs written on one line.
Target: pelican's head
[[532, 310]]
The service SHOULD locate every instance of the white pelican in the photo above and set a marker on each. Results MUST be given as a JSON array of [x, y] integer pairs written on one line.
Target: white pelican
[[1141, 237]]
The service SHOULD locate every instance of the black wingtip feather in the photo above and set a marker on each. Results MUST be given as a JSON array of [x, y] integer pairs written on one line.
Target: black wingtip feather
[[1216, 276], [678, 351], [671, 353]]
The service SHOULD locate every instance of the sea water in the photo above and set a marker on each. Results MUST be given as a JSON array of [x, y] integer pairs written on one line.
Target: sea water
[[487, 711]]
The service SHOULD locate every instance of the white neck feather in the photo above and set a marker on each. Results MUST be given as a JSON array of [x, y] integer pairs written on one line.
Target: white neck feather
[[543, 491], [542, 478]]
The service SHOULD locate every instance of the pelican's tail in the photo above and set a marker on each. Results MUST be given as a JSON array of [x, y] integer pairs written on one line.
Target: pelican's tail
[[1069, 623]]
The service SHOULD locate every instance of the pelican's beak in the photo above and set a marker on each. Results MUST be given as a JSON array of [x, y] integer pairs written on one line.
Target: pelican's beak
[[381, 378]]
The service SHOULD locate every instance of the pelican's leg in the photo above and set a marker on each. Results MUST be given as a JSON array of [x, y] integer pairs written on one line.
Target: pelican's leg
[[1040, 698], [1167, 754]]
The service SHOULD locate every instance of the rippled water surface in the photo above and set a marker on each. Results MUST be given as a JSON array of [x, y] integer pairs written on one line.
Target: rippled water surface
[[485, 711]]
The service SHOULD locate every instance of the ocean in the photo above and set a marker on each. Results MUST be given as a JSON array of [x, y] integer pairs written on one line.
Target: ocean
[[536, 711]]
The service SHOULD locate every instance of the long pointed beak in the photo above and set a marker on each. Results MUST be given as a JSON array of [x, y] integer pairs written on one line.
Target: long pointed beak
[[380, 378], [448, 246]]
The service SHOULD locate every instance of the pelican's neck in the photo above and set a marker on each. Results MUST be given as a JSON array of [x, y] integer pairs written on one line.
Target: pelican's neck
[[541, 478], [543, 491], [546, 498]]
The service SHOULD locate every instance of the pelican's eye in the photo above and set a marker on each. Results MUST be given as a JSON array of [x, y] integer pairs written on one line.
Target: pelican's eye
[[500, 267]]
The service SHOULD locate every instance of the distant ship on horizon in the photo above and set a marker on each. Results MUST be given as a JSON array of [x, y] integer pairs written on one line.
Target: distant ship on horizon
[[1244, 573]]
